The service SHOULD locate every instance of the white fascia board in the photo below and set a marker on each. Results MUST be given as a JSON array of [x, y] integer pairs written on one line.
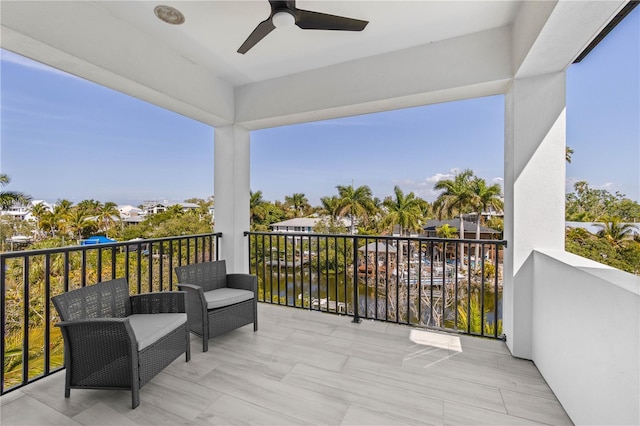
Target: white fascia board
[[549, 35], [464, 67], [120, 58]]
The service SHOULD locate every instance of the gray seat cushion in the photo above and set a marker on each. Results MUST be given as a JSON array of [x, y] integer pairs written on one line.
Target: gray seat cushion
[[225, 297], [149, 328]]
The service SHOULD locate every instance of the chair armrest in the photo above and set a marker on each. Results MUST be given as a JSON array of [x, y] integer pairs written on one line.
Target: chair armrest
[[189, 287], [196, 304], [99, 333], [158, 302], [243, 282]]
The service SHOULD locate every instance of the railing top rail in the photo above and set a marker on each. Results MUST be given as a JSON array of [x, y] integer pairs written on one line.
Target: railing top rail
[[381, 237], [24, 253]]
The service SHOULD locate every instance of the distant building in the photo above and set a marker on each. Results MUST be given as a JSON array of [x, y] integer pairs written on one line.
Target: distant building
[[18, 211], [23, 212], [155, 207], [128, 211], [302, 224]]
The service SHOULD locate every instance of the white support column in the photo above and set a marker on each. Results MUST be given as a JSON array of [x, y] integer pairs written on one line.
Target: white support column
[[231, 191], [535, 141]]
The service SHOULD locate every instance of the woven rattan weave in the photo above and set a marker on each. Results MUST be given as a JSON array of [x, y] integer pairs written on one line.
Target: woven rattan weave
[[101, 351], [196, 279]]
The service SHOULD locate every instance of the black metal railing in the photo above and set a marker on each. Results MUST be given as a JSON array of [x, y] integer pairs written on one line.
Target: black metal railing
[[32, 346], [446, 284]]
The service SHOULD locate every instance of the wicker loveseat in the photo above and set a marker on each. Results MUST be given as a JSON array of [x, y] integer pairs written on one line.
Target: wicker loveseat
[[116, 341], [217, 302]]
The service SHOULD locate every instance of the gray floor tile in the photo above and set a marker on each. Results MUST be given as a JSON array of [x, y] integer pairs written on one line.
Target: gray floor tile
[[228, 410], [29, 411], [102, 415], [543, 410], [462, 414], [305, 367]]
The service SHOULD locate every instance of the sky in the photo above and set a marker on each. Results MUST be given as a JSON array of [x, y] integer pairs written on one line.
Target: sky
[[62, 137]]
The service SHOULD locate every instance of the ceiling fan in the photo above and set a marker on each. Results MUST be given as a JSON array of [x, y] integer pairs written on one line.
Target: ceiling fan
[[282, 11]]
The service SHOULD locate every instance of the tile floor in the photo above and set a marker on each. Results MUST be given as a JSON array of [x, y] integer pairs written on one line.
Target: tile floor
[[306, 367]]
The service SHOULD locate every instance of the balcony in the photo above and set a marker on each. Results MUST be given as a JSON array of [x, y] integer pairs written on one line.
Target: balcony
[[317, 349], [576, 320], [306, 367]]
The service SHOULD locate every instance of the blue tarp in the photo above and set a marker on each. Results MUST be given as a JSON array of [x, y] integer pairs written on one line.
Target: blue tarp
[[97, 239]]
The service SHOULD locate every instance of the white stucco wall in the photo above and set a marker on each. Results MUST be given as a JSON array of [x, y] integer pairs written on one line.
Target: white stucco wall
[[586, 336], [231, 187], [535, 123]]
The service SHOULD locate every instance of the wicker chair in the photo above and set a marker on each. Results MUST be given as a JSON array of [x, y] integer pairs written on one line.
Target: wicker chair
[[116, 341], [217, 302]]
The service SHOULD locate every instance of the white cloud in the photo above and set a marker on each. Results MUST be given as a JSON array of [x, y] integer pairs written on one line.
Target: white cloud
[[443, 176], [424, 188]]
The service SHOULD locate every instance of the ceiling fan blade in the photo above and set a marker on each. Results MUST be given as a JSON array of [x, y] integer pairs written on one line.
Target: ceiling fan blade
[[308, 20], [260, 32]]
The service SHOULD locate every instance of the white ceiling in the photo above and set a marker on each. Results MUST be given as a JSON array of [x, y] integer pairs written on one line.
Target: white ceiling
[[411, 52], [213, 31]]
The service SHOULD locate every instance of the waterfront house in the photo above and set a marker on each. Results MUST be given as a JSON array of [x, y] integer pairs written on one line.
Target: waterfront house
[[303, 224]]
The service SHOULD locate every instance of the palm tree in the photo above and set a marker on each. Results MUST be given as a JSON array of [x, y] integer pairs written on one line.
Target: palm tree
[[615, 231], [483, 197], [105, 215], [568, 153], [77, 222], [455, 198], [446, 231], [299, 203], [403, 211], [9, 198], [56, 220], [355, 203], [256, 207], [330, 206], [38, 211], [89, 206]]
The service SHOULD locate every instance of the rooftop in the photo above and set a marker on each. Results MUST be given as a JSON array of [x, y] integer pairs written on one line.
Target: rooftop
[[316, 368]]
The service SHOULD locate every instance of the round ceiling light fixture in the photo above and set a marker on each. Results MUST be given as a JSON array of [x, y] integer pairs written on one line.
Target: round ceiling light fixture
[[283, 19], [169, 14]]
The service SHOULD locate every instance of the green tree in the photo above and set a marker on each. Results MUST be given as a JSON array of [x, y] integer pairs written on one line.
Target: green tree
[[403, 210], [89, 207], [482, 198], [38, 211], [330, 206], [78, 224], [496, 223], [615, 231], [257, 211], [426, 210], [625, 257], [568, 154], [356, 203], [298, 202], [586, 204], [456, 196], [107, 216], [9, 198], [446, 231]]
